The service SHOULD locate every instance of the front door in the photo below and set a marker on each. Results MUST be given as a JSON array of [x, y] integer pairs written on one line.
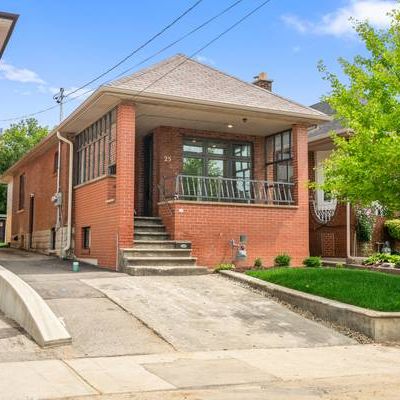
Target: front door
[[148, 175], [31, 219]]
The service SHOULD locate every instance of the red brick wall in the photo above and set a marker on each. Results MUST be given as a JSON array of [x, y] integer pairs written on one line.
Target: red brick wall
[[210, 227], [41, 181], [95, 207], [125, 183]]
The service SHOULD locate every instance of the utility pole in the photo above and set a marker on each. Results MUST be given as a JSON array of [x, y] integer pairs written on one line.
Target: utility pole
[[59, 98]]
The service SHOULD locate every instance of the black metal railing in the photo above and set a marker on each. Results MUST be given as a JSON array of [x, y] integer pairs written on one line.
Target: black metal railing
[[208, 188]]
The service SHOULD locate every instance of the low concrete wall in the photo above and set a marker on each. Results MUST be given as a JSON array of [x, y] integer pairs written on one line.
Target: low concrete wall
[[381, 326], [21, 303]]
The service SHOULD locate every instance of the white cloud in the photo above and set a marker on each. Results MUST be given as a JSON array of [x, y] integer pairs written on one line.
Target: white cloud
[[205, 60], [23, 75], [338, 22]]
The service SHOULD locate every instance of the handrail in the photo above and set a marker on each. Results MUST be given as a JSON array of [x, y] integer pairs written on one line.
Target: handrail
[[209, 188]]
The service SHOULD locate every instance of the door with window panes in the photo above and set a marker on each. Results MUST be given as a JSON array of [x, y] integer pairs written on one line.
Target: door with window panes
[[206, 161]]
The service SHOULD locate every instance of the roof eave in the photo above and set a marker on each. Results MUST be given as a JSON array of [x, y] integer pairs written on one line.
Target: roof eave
[[13, 18]]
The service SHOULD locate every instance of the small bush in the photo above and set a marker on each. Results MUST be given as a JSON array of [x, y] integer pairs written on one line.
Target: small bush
[[282, 260], [224, 267], [393, 228], [312, 262], [258, 263]]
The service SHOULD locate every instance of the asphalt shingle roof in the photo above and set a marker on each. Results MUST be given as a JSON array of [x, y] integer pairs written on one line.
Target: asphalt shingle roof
[[181, 76], [324, 129]]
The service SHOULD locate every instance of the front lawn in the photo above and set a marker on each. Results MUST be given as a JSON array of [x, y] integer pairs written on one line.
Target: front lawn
[[366, 289]]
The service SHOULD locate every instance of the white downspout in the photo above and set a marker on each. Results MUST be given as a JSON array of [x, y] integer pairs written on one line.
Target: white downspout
[[348, 232], [70, 184]]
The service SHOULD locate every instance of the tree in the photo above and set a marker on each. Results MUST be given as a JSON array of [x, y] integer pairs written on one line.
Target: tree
[[15, 141], [365, 168]]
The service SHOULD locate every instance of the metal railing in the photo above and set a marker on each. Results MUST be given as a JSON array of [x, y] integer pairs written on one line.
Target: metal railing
[[324, 212], [208, 188]]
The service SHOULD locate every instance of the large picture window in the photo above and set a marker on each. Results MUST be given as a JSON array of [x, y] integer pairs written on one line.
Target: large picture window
[[95, 149], [211, 158], [279, 157]]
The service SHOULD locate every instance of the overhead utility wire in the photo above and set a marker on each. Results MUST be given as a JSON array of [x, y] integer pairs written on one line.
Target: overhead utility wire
[[137, 49]]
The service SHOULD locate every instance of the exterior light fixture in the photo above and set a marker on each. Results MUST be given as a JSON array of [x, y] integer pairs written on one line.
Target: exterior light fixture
[[230, 126]]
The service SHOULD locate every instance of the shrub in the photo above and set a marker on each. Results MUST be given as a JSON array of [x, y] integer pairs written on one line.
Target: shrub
[[224, 267], [282, 260], [378, 258], [339, 265], [364, 225], [393, 227], [312, 262], [258, 263]]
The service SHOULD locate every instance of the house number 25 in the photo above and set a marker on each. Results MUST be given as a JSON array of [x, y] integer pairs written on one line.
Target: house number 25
[[167, 158]]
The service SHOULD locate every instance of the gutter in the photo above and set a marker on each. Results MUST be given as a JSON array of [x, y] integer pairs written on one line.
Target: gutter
[[70, 184]]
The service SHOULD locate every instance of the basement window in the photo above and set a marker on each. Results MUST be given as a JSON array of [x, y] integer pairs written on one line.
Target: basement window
[[86, 237]]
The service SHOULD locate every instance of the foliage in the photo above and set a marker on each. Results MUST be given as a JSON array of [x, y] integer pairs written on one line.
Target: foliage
[[224, 267], [393, 227], [339, 265], [258, 263], [364, 225], [365, 167], [14, 143], [379, 258], [282, 260], [368, 289], [313, 262]]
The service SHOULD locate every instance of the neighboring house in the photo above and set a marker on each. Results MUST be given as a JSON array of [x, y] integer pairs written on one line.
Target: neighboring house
[[3, 219], [7, 24], [328, 226], [219, 160]]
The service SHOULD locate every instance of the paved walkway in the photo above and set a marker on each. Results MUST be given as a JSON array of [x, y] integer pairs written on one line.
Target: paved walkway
[[172, 338]]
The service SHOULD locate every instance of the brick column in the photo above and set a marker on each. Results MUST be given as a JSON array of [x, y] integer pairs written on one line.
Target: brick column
[[125, 182], [300, 164]]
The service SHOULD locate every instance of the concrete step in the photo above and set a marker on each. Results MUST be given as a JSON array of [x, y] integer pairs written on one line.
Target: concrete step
[[150, 236], [154, 221], [140, 270], [161, 244], [149, 252], [160, 261], [149, 228]]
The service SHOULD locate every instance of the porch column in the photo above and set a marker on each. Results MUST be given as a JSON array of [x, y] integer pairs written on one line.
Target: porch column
[[300, 165], [125, 181]]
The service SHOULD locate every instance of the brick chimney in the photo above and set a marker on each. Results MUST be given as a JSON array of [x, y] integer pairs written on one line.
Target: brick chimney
[[262, 80]]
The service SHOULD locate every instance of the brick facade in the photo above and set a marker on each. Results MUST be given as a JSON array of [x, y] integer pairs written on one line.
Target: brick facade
[[41, 183]]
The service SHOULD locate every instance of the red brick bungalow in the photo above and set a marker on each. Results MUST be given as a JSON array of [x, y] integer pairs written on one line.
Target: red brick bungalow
[[178, 152]]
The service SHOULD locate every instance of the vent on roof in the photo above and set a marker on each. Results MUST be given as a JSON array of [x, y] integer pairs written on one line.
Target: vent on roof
[[262, 81]]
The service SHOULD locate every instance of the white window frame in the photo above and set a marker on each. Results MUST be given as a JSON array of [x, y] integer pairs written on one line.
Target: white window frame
[[321, 202]]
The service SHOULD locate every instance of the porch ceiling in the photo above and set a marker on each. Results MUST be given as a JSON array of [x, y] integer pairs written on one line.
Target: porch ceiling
[[150, 116]]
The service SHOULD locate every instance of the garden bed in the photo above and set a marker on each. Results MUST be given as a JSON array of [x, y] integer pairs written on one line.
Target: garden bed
[[341, 288]]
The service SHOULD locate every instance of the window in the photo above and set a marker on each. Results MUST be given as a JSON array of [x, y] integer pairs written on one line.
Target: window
[[21, 199], [95, 149], [86, 237], [279, 157], [211, 158], [55, 162]]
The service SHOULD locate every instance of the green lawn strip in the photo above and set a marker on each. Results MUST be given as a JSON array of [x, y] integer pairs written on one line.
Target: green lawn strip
[[373, 290]]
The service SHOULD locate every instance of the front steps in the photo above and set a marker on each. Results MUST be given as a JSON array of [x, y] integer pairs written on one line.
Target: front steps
[[154, 254]]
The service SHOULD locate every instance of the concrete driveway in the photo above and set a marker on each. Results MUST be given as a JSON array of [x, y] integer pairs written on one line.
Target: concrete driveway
[[209, 312]]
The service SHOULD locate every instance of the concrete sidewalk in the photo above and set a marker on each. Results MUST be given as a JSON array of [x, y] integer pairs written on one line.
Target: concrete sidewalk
[[356, 372]]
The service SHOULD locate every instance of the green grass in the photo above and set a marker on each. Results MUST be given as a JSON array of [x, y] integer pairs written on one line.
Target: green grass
[[373, 290]]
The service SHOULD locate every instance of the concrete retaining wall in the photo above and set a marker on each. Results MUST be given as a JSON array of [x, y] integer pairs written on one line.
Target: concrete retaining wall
[[21, 303], [381, 326]]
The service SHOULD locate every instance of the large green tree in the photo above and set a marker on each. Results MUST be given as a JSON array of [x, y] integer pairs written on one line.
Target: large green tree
[[365, 167], [14, 143]]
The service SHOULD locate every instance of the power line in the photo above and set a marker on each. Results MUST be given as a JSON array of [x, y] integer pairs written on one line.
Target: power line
[[137, 49], [180, 39]]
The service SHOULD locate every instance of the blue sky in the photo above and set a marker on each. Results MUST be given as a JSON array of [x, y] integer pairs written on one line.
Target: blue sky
[[68, 43]]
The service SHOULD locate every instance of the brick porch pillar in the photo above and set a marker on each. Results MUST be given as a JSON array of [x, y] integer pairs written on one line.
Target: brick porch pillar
[[125, 182]]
